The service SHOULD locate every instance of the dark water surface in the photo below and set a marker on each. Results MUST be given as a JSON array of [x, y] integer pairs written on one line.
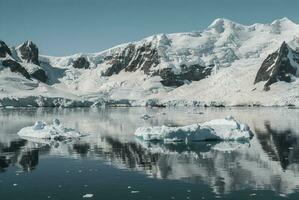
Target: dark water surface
[[111, 164]]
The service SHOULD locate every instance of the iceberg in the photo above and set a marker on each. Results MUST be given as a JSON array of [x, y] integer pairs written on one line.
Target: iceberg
[[227, 129], [55, 131]]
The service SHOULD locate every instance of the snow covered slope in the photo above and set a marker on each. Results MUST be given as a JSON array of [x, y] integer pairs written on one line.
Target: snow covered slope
[[214, 67]]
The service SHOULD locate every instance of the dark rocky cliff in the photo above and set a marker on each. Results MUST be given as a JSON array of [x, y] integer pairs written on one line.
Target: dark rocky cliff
[[278, 66]]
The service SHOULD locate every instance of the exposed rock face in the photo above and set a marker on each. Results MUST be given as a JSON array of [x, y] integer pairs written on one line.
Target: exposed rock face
[[120, 61], [29, 52], [16, 67], [145, 58], [188, 73], [40, 75], [133, 58], [281, 65], [81, 63], [4, 49]]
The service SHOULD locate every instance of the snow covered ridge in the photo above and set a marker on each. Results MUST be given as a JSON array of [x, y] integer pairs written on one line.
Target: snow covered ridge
[[217, 129], [23, 59], [227, 64], [55, 131]]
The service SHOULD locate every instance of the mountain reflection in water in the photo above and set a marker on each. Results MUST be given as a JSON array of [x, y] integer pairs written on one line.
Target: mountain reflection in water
[[270, 161], [280, 145]]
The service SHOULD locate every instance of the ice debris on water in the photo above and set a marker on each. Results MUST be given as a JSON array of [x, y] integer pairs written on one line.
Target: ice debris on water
[[145, 117], [87, 196], [54, 131], [135, 191]]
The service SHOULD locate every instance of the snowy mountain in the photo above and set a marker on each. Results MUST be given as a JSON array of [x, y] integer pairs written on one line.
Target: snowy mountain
[[227, 64]]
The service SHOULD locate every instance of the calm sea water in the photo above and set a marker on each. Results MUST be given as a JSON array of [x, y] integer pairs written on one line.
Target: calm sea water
[[111, 164]]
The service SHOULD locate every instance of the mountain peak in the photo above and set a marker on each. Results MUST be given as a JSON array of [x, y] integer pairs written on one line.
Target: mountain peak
[[29, 43], [4, 49], [221, 24], [29, 52], [278, 66], [221, 21], [283, 20], [284, 45]]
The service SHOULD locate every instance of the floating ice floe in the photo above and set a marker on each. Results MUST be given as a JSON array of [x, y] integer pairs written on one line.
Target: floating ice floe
[[135, 192], [87, 196], [217, 129], [55, 131]]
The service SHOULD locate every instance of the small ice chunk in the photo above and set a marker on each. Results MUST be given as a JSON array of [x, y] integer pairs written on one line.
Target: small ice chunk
[[135, 191], [145, 117], [282, 195], [15, 184], [199, 113], [87, 196]]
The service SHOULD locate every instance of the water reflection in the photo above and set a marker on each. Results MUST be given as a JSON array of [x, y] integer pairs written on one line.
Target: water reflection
[[29, 159], [269, 162], [280, 145], [3, 163], [10, 153]]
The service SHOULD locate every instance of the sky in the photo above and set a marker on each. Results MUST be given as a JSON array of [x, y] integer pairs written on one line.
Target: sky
[[65, 27]]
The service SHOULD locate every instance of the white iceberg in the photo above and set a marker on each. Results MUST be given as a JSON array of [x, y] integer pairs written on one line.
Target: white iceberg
[[55, 131], [217, 129]]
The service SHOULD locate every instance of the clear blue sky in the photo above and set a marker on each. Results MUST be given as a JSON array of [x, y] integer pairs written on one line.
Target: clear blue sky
[[63, 27]]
